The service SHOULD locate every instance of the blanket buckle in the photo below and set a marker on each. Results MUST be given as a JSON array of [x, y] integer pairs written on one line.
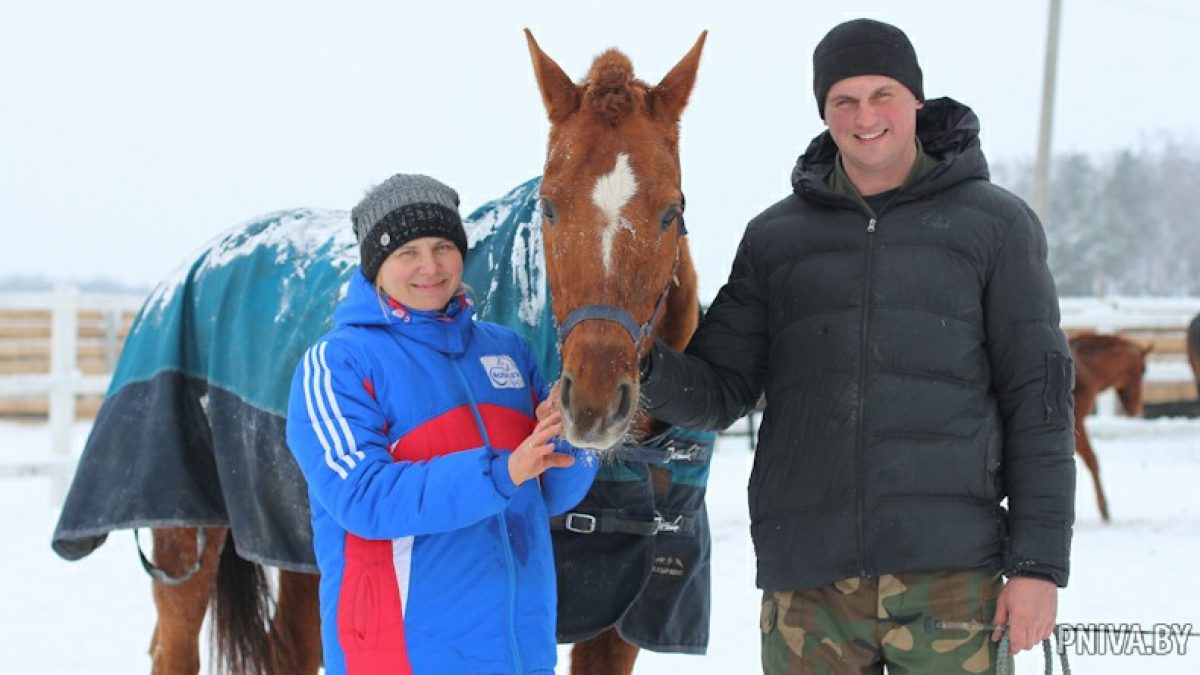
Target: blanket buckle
[[581, 523]]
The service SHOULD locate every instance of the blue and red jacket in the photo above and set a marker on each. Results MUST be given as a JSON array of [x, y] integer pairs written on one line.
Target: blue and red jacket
[[432, 560]]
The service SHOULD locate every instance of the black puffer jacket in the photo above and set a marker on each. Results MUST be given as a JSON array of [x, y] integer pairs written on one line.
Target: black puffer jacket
[[914, 370]]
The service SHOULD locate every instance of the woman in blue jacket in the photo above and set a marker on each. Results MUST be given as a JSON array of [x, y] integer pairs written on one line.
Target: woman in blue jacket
[[428, 442]]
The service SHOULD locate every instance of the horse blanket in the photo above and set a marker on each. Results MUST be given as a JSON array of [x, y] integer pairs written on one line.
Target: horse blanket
[[192, 429]]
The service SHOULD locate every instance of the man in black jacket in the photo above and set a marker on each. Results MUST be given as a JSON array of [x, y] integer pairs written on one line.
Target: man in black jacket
[[898, 313]]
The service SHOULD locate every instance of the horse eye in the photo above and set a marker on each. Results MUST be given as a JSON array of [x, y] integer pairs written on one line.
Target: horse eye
[[548, 211], [669, 216]]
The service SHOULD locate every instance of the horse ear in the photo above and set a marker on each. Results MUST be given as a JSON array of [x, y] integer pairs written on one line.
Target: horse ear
[[670, 96], [559, 93], [1147, 349]]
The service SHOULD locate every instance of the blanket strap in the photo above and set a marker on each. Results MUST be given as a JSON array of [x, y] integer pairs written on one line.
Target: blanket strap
[[610, 520], [159, 574], [672, 445]]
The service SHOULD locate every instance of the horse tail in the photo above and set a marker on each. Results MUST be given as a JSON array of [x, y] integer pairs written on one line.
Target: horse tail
[[609, 86], [242, 641]]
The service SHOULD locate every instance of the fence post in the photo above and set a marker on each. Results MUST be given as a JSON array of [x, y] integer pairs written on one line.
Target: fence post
[[64, 331]]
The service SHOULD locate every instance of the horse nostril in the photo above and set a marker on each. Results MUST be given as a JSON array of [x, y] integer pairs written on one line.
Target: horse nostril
[[565, 394], [626, 403]]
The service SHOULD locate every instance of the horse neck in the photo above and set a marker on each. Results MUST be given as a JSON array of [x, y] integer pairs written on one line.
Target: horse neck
[[1113, 366], [681, 315], [682, 312]]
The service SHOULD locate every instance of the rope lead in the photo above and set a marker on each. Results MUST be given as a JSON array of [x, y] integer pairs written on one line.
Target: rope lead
[[1004, 660]]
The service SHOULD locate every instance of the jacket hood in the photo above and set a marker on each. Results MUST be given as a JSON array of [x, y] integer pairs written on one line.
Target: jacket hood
[[949, 132], [447, 331]]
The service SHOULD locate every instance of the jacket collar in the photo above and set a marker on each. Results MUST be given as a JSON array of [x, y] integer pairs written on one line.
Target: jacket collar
[[947, 133], [447, 330], [840, 182]]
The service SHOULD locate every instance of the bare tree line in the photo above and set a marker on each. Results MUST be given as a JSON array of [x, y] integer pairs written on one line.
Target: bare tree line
[[1125, 224]]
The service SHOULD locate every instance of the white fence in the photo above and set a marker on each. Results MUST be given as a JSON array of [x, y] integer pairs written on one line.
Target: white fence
[[64, 381], [1109, 315]]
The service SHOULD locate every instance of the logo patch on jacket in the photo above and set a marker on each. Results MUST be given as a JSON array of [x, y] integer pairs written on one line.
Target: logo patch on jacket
[[937, 221], [503, 372]]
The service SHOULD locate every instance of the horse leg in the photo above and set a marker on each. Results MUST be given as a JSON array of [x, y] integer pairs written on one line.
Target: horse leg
[[605, 654], [297, 623], [175, 647], [1089, 458], [1084, 447]]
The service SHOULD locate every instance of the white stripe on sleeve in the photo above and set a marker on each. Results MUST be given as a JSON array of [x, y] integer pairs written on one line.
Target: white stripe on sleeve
[[312, 415], [321, 384], [337, 413]]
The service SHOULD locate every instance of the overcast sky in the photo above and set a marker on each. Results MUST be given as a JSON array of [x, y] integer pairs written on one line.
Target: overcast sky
[[131, 133]]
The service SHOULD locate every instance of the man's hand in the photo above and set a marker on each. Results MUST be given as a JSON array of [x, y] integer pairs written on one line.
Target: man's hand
[[536, 453], [1029, 607]]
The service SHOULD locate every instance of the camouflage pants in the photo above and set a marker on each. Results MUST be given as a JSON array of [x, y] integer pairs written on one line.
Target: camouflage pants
[[860, 625]]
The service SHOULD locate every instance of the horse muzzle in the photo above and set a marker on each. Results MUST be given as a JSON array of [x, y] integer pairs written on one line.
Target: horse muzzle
[[596, 416]]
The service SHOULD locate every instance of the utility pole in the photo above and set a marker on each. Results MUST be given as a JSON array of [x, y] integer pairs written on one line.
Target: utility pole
[[1041, 170]]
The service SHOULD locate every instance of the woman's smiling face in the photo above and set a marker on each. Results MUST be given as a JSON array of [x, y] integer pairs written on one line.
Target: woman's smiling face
[[424, 273]]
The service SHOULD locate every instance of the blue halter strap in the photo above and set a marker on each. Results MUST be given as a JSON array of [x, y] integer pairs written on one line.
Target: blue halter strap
[[617, 315]]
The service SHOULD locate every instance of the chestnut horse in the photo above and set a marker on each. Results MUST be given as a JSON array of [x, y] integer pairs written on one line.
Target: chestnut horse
[[619, 273], [1103, 361], [617, 259]]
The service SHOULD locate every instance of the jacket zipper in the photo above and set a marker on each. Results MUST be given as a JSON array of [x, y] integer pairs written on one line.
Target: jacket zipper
[[509, 564], [862, 399]]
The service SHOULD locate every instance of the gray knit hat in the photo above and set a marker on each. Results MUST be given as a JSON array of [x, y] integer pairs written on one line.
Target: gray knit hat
[[864, 47], [402, 208]]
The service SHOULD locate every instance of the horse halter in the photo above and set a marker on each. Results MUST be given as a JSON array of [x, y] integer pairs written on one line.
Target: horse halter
[[617, 315]]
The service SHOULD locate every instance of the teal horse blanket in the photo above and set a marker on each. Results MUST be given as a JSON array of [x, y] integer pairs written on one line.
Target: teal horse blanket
[[192, 430]]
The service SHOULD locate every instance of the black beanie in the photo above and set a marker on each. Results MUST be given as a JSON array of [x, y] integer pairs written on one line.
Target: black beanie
[[402, 208], [864, 47]]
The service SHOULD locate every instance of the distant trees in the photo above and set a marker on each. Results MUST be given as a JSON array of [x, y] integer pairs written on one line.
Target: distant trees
[[1121, 225], [37, 283]]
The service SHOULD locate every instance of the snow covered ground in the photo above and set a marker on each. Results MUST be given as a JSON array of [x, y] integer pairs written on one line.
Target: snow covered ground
[[95, 616]]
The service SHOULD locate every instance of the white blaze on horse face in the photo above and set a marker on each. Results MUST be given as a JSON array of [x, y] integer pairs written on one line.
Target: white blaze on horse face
[[611, 193]]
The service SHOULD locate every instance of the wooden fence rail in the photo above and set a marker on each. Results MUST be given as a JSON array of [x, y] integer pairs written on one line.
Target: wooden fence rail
[[1160, 323], [54, 348], [58, 350]]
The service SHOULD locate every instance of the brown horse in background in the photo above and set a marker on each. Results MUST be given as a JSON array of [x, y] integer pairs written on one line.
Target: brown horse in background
[[617, 259], [1193, 349], [1103, 361]]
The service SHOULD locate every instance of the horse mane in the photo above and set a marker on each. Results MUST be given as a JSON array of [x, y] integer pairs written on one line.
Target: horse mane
[[610, 86], [1089, 343]]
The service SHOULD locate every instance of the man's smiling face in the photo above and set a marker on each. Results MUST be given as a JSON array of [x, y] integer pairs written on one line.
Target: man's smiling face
[[873, 121]]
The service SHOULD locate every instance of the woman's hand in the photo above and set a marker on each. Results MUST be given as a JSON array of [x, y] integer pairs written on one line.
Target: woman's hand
[[549, 405], [536, 453]]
